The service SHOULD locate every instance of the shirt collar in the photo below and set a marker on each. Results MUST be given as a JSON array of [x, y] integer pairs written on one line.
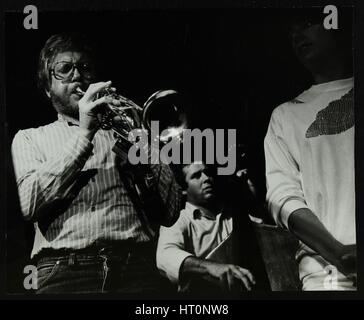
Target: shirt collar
[[198, 212], [68, 120], [333, 85]]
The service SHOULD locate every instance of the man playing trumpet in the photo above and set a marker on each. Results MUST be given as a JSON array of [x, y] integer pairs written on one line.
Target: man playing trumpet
[[91, 234]]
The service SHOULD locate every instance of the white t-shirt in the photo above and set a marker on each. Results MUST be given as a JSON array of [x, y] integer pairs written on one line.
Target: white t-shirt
[[309, 150]]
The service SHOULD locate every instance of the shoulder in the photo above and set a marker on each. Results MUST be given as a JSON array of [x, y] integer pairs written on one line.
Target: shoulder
[[39, 131], [281, 114], [35, 137], [281, 110], [186, 217], [293, 103], [180, 227], [285, 110]]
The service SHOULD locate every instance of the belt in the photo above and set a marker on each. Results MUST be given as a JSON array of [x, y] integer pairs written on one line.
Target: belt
[[112, 249]]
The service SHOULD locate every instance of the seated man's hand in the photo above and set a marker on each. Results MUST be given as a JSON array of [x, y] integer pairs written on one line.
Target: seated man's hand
[[230, 276]]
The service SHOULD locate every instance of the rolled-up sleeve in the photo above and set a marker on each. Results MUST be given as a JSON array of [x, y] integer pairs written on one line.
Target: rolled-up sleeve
[[284, 188], [171, 250]]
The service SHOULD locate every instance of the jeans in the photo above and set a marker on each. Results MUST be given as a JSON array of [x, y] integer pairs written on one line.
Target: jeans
[[132, 275]]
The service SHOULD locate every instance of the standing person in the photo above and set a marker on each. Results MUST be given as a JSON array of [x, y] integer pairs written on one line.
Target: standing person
[[309, 149], [90, 234]]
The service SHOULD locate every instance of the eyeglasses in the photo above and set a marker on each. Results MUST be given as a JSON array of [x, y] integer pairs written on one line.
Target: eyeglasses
[[64, 70]]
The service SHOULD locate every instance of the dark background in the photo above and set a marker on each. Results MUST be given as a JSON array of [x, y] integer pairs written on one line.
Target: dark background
[[235, 64]]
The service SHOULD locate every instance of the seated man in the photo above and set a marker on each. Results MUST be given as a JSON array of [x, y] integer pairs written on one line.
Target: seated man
[[198, 246]]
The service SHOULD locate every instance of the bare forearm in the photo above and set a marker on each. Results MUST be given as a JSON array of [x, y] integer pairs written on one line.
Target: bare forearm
[[305, 225], [194, 266], [226, 276]]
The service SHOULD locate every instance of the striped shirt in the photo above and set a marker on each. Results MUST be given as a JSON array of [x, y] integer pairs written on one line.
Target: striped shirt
[[73, 191]]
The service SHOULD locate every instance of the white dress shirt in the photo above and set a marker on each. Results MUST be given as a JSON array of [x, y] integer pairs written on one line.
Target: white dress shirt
[[196, 233]]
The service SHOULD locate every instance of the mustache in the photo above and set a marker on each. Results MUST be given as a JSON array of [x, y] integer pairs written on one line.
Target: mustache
[[77, 87]]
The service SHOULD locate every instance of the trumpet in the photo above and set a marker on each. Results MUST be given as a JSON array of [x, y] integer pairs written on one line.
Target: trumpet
[[164, 106]]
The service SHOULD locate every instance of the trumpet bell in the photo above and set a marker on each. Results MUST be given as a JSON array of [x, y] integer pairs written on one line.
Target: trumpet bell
[[166, 107]]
